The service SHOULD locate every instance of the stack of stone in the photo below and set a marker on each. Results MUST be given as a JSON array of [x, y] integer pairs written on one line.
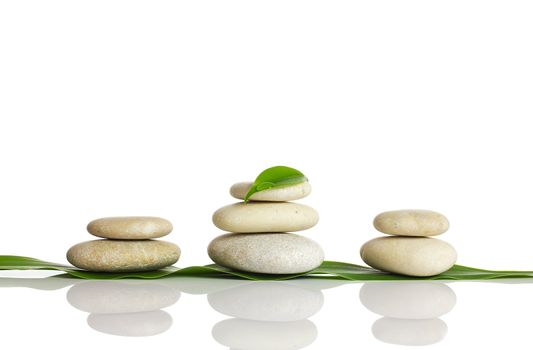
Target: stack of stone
[[259, 241], [411, 252], [128, 245]]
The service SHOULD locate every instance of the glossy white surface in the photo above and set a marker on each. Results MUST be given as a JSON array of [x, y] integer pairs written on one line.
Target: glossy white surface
[[221, 314]]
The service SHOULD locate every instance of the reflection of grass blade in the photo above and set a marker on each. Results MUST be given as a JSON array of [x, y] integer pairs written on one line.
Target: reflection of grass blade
[[328, 269]]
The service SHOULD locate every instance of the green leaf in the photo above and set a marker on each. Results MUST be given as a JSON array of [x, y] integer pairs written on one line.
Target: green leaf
[[277, 176], [328, 269]]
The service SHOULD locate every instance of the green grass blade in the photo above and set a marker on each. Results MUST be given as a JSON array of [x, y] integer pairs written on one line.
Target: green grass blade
[[328, 269]]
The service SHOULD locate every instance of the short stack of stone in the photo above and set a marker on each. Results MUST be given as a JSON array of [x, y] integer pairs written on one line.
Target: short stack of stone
[[128, 245], [411, 250], [258, 240]]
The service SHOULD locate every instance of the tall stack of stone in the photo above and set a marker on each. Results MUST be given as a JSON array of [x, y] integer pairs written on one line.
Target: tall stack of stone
[[411, 250], [258, 240], [128, 245]]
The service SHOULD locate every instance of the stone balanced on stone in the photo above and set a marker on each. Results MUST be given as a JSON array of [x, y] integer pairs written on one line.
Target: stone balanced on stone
[[411, 251], [259, 241], [128, 245]]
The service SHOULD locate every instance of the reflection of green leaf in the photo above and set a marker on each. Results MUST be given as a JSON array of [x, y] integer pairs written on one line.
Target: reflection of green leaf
[[277, 176], [328, 269]]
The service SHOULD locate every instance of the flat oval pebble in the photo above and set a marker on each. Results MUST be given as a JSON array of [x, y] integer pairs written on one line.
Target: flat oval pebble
[[278, 194], [255, 217], [112, 297], [411, 222], [106, 255], [273, 253], [130, 227], [408, 300], [412, 256]]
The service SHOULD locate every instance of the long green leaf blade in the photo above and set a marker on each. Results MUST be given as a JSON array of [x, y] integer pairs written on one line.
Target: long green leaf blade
[[328, 269]]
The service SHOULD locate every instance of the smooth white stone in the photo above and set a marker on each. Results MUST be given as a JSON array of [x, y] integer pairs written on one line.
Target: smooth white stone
[[265, 217], [267, 301], [412, 256], [408, 300], [411, 222], [260, 335], [279, 194], [271, 253]]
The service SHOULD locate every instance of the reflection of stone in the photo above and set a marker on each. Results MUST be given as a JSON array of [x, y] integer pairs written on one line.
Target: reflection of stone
[[128, 308], [411, 310], [200, 285], [267, 301], [137, 324], [269, 315], [109, 297], [409, 332], [410, 300], [263, 335]]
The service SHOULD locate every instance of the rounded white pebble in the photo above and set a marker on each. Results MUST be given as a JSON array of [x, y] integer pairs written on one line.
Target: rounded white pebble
[[256, 217], [412, 256], [267, 301], [111, 297], [136, 324], [411, 222], [407, 299], [130, 227], [409, 332], [105, 255], [271, 253], [278, 194], [236, 333]]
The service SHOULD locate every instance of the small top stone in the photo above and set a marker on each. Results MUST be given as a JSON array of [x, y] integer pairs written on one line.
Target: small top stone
[[278, 194], [411, 222], [130, 227]]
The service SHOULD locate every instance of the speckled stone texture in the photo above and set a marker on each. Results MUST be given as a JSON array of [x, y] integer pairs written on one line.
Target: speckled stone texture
[[255, 217], [123, 255], [272, 253], [130, 227], [411, 222], [280, 194], [412, 256]]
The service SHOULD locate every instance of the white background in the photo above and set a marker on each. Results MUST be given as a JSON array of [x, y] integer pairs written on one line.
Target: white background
[[155, 108]]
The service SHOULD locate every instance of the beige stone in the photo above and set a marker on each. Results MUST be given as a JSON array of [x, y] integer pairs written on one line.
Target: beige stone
[[105, 255], [130, 227], [411, 222], [412, 256], [279, 194], [271, 253], [265, 217]]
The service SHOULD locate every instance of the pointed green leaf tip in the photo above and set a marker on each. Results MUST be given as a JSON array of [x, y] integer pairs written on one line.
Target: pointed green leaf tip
[[277, 176]]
